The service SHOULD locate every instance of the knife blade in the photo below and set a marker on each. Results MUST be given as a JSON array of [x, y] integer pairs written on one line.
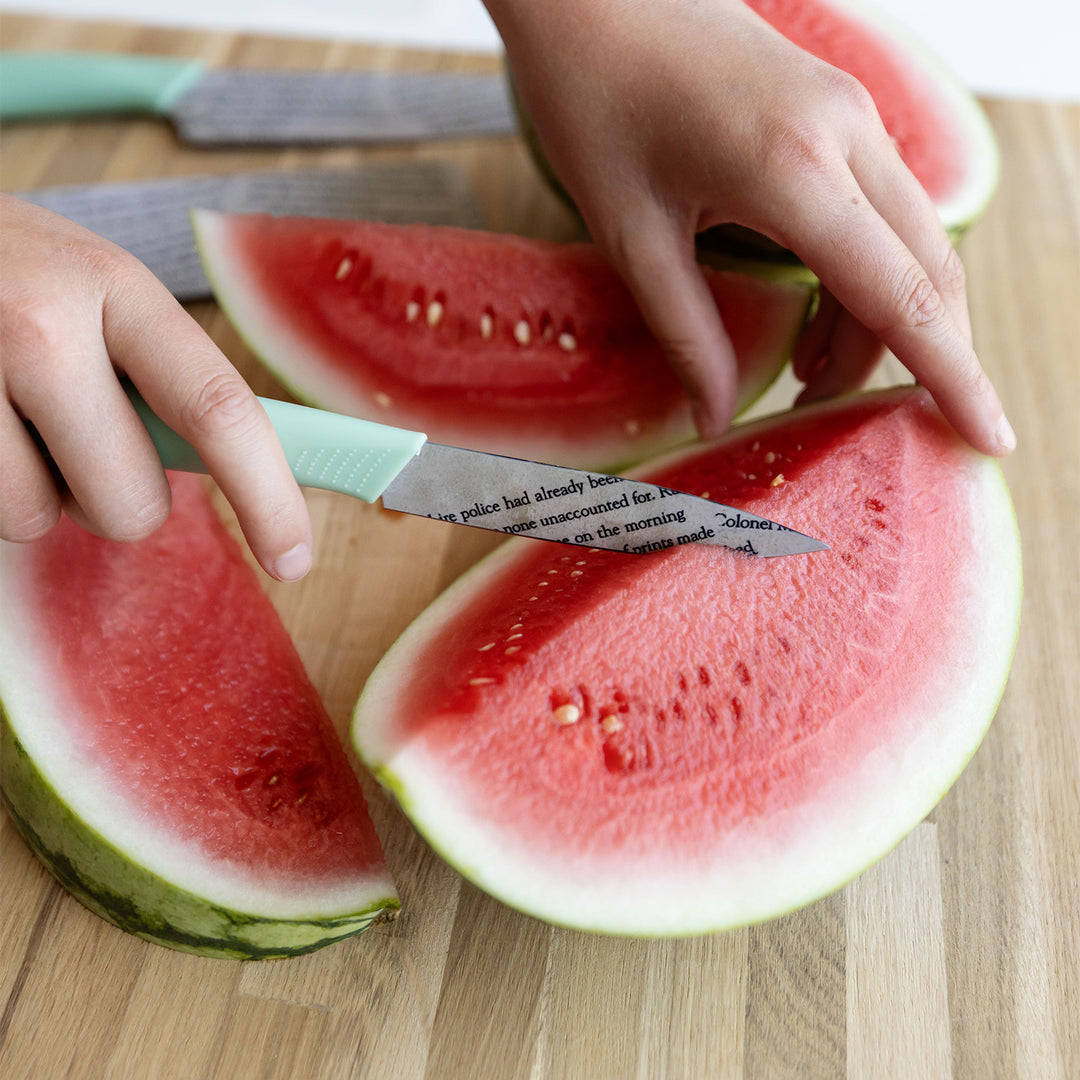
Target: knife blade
[[152, 218], [216, 106], [488, 491]]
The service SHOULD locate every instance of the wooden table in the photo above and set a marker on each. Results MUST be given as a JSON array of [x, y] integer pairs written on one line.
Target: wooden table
[[957, 955]]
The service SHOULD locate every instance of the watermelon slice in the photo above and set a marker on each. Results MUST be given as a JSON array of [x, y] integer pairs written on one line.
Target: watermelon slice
[[164, 753], [938, 126], [696, 739], [521, 347]]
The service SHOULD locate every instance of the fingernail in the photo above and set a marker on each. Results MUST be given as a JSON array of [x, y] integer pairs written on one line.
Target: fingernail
[[294, 564], [1005, 435]]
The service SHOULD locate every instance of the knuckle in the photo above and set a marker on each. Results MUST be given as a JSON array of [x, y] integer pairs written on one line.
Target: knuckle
[[99, 261], [32, 326], [798, 146], [953, 276], [851, 95], [919, 304], [222, 406]]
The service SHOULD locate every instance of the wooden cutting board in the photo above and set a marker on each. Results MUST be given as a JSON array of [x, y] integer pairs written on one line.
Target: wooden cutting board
[[957, 955]]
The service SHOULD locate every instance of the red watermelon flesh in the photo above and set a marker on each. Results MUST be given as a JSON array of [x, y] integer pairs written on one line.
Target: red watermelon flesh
[[696, 739], [163, 704], [523, 347]]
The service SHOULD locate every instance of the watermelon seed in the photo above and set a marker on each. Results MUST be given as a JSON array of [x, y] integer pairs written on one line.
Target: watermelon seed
[[547, 327], [343, 269], [383, 400], [481, 681], [632, 427], [484, 648], [567, 714], [412, 311], [511, 649], [567, 342], [576, 573], [770, 457], [517, 626], [435, 313], [522, 332], [777, 480], [611, 723], [273, 779], [487, 326]]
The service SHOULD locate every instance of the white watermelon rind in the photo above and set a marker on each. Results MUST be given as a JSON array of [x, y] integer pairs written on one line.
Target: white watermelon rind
[[872, 810]]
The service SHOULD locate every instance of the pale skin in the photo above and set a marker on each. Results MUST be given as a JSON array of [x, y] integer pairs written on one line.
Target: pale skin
[[662, 117]]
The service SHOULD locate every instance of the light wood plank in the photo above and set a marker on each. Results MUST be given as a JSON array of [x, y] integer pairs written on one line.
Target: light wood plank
[[897, 996]]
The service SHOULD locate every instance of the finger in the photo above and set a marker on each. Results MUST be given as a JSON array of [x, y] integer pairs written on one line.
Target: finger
[[812, 348], [873, 274], [851, 355], [29, 501], [193, 388], [659, 267], [62, 382], [903, 203]]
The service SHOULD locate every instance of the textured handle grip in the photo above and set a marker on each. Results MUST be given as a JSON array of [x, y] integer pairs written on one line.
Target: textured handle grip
[[324, 450], [90, 84]]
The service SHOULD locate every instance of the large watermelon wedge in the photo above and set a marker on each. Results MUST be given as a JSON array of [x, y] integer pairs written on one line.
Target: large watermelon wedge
[[937, 124], [523, 347], [697, 739], [164, 753]]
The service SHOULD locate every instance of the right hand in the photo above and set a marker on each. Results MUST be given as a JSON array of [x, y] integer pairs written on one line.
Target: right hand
[[76, 313]]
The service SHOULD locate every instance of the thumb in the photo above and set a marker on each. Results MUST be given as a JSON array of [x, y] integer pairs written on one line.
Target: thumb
[[658, 265]]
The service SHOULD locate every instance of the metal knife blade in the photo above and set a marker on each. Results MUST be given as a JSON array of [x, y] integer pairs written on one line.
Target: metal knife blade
[[151, 218], [215, 106], [573, 506], [488, 491], [245, 107]]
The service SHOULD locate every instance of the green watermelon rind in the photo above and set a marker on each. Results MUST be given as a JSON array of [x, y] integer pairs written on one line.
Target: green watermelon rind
[[416, 802], [133, 898]]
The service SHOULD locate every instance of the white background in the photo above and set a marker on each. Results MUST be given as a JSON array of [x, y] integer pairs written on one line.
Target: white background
[[998, 48]]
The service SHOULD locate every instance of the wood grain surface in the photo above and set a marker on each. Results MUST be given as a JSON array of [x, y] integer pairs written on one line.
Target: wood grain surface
[[957, 955]]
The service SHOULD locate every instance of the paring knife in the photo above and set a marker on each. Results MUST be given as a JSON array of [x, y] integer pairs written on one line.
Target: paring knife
[[503, 494], [242, 107]]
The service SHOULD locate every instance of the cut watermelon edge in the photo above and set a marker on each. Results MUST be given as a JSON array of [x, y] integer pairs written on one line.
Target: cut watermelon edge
[[651, 901]]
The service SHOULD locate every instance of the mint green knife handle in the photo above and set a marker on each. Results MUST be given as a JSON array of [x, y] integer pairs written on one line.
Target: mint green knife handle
[[324, 450], [34, 85]]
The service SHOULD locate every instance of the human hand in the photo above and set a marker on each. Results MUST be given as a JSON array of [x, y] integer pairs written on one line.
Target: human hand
[[664, 118], [75, 313]]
